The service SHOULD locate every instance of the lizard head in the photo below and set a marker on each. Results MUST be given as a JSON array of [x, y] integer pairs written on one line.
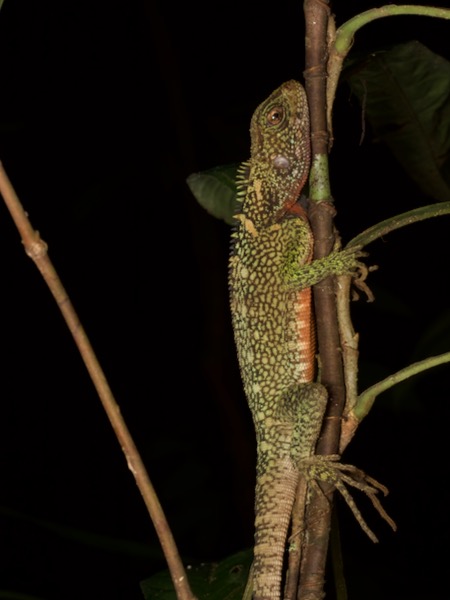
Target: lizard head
[[280, 151]]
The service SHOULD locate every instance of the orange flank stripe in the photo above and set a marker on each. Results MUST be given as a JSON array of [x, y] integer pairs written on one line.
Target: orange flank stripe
[[306, 337]]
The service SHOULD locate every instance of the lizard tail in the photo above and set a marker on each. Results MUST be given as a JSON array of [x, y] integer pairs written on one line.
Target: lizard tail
[[275, 493]]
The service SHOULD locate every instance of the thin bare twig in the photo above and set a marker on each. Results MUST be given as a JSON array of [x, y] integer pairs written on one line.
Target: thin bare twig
[[296, 541], [36, 249]]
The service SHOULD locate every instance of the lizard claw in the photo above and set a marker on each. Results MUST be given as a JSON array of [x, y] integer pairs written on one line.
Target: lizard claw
[[327, 469], [359, 271], [359, 281]]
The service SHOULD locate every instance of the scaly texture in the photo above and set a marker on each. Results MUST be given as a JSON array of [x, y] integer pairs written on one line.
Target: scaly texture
[[270, 279]]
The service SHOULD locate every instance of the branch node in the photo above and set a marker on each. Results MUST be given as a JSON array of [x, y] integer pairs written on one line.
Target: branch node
[[321, 136], [36, 248]]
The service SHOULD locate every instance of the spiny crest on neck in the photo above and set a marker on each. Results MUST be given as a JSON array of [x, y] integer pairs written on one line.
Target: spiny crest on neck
[[271, 181]]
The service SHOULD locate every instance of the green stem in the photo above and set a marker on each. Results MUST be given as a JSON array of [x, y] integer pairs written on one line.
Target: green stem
[[393, 223], [319, 182], [367, 398], [346, 32]]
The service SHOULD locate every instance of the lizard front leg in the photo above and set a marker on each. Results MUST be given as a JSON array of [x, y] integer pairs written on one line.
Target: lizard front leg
[[300, 272]]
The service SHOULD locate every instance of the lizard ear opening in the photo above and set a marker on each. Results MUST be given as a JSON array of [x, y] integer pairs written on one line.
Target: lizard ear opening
[[281, 162]]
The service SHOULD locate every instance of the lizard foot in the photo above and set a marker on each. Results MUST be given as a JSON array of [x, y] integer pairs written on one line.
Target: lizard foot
[[327, 469], [359, 271]]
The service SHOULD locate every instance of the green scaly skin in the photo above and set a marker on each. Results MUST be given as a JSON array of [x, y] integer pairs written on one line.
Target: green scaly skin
[[270, 279]]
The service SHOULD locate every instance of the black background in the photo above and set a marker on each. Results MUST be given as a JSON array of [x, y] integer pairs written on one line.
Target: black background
[[105, 109]]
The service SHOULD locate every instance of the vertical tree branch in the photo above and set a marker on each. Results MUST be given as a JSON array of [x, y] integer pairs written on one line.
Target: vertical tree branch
[[318, 20]]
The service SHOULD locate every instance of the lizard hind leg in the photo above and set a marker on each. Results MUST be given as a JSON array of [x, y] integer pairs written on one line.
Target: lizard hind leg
[[306, 406], [327, 469], [299, 409]]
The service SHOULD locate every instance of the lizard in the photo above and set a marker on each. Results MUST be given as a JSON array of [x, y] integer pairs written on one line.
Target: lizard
[[271, 271]]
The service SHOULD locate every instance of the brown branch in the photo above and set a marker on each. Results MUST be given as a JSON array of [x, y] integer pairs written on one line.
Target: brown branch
[[317, 19], [296, 541], [36, 249]]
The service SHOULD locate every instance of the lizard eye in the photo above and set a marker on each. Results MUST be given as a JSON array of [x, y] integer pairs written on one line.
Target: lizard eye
[[275, 116]]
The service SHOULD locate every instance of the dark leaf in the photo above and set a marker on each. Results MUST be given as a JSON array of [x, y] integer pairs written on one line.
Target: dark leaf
[[215, 191], [405, 94], [209, 581]]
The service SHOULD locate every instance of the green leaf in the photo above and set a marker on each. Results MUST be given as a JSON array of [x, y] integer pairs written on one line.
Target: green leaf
[[405, 94], [209, 581], [215, 191]]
